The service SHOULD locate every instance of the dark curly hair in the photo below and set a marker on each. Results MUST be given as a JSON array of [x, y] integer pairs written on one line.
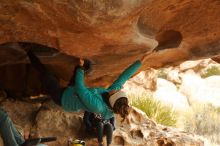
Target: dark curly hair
[[120, 107]]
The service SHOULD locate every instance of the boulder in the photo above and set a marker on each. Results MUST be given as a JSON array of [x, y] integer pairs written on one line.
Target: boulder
[[111, 34], [21, 113], [174, 76], [163, 83], [142, 82], [137, 128], [168, 94], [201, 91]]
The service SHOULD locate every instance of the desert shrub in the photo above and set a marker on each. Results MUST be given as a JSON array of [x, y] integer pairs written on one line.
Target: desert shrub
[[162, 73], [203, 120], [162, 114], [213, 70]]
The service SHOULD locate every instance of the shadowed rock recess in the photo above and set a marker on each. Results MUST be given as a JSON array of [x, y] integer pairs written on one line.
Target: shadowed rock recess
[[137, 130], [111, 33]]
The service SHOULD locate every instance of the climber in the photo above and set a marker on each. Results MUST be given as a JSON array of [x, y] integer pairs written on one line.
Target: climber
[[95, 124], [10, 134], [76, 96]]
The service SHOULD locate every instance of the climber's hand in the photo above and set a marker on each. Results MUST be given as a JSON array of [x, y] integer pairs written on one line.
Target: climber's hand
[[81, 62]]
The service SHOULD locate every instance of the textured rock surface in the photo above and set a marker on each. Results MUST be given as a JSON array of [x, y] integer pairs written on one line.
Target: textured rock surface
[[183, 85], [111, 33], [145, 80], [136, 130]]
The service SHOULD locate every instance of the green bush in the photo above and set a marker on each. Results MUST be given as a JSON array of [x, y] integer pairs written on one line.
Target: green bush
[[155, 110], [162, 73], [214, 70]]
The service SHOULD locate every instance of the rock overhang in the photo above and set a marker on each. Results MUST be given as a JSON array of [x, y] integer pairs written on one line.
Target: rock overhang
[[111, 34]]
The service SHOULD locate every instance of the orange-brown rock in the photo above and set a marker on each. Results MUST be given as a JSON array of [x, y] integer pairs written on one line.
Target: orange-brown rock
[[137, 130], [110, 33], [216, 59]]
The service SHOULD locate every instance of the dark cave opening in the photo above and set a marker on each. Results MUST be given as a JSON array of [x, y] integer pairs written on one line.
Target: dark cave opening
[[168, 39], [19, 79]]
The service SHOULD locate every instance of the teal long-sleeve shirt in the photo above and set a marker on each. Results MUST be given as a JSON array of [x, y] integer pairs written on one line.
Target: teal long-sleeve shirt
[[80, 97]]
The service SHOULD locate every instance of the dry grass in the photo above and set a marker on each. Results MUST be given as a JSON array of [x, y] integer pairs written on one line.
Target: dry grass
[[213, 70], [202, 120], [154, 109]]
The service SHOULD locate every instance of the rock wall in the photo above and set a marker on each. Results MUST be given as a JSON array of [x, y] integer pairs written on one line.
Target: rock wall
[[111, 33], [46, 119]]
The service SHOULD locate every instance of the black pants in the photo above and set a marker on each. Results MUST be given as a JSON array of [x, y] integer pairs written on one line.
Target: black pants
[[49, 81], [106, 129]]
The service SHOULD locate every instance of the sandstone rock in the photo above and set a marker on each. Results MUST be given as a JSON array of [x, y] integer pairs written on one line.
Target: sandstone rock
[[111, 34], [216, 59], [162, 83], [189, 65], [139, 84], [146, 78], [197, 66], [59, 124], [198, 90], [174, 76], [137, 129], [168, 94], [21, 113]]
